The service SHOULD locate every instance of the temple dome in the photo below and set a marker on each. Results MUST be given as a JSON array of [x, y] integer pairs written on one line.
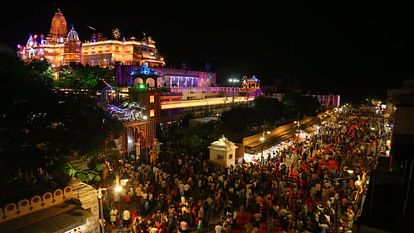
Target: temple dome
[[73, 35], [58, 26]]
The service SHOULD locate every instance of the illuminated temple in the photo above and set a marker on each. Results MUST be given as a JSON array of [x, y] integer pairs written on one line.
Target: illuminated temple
[[61, 47]]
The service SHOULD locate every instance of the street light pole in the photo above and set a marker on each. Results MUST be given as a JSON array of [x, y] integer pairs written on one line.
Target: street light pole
[[262, 139], [233, 82], [101, 219]]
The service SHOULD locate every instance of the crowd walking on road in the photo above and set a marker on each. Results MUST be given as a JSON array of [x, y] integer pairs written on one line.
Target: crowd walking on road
[[316, 183]]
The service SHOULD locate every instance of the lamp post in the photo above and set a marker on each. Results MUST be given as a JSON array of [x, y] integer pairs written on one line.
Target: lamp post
[[101, 218], [297, 125], [233, 82], [262, 139], [118, 188]]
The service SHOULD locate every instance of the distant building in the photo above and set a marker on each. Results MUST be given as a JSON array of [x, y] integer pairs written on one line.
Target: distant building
[[167, 77], [401, 105], [61, 48]]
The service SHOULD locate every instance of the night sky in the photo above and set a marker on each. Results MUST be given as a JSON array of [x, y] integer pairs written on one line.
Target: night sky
[[342, 43]]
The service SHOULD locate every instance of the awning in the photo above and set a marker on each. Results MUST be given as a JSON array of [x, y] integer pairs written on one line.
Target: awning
[[309, 129], [257, 147]]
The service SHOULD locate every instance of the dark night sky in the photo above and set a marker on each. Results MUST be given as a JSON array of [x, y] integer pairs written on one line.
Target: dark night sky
[[350, 44]]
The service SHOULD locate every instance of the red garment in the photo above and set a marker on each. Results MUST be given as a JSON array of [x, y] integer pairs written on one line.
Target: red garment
[[127, 198]]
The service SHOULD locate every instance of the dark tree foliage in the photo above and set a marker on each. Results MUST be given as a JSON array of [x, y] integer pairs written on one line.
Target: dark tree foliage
[[83, 76], [240, 118], [299, 105], [198, 138], [266, 113], [39, 128], [269, 110], [242, 121]]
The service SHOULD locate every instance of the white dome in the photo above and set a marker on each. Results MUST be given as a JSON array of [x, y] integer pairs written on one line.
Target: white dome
[[73, 35]]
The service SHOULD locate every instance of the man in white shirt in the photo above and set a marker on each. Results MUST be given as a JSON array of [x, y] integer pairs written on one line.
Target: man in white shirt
[[186, 189], [219, 228], [184, 226], [126, 216], [113, 214]]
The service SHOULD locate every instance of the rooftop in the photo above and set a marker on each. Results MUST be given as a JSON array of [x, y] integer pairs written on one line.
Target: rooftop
[[59, 218]]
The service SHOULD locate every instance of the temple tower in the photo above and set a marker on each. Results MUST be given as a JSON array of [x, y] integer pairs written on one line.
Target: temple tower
[[58, 29], [72, 48]]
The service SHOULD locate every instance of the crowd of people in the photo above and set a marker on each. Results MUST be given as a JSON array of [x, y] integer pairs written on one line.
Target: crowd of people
[[315, 183]]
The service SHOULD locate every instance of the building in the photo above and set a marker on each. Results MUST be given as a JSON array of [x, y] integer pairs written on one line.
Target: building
[[74, 208], [103, 52], [51, 47], [167, 77], [390, 198], [183, 90], [61, 47], [223, 152]]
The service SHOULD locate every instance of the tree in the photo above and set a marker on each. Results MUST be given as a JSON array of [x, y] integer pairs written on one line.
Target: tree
[[198, 138], [311, 105], [79, 76], [39, 127], [89, 176], [269, 109]]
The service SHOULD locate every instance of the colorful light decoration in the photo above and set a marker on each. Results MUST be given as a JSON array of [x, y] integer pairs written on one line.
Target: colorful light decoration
[[129, 111], [116, 33], [144, 70], [55, 53]]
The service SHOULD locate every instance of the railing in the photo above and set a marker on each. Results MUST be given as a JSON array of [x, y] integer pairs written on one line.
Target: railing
[[36, 203]]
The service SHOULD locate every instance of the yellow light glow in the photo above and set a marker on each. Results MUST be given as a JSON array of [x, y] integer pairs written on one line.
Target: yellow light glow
[[118, 189], [202, 102]]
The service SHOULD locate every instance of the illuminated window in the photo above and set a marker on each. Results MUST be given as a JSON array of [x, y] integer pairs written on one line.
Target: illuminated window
[[151, 99], [152, 113]]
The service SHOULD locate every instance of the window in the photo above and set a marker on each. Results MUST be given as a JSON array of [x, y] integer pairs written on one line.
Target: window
[[152, 113], [151, 99], [230, 156], [220, 157]]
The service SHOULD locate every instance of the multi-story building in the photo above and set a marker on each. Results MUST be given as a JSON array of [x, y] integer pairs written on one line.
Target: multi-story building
[[167, 77], [104, 52], [60, 48]]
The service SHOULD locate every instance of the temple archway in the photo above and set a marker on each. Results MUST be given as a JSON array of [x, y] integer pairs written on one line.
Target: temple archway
[[150, 82], [138, 81]]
